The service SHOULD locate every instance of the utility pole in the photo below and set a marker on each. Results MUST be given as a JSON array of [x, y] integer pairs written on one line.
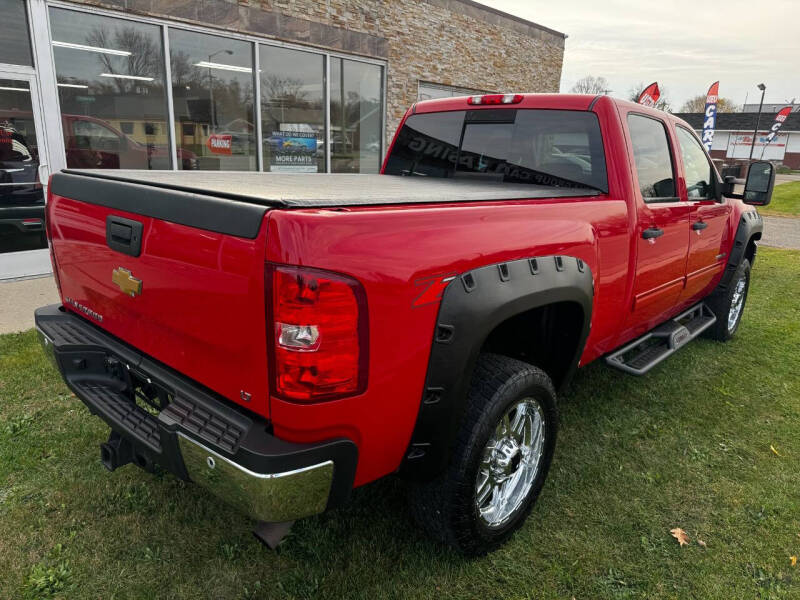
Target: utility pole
[[762, 87]]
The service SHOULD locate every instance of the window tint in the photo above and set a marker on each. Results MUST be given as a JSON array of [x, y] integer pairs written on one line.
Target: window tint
[[427, 145], [545, 147], [696, 166], [652, 156]]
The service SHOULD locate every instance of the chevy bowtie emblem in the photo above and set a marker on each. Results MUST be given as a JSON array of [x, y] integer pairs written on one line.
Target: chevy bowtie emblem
[[126, 282]]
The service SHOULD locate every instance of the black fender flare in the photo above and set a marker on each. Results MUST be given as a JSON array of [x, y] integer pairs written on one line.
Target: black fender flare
[[472, 305], [751, 226]]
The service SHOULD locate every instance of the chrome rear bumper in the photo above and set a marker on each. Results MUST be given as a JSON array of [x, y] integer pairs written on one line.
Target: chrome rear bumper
[[198, 435], [271, 497]]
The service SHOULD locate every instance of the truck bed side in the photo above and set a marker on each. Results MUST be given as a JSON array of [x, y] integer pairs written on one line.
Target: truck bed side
[[395, 252]]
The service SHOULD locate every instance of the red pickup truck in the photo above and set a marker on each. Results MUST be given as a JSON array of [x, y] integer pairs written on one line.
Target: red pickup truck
[[282, 339]]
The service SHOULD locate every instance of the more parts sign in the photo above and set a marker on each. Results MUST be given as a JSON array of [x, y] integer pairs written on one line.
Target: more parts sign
[[220, 143], [292, 151]]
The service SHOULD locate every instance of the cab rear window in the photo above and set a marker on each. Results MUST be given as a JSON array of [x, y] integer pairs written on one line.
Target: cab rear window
[[557, 148]]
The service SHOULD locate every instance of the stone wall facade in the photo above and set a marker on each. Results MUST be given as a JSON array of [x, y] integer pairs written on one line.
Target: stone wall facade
[[451, 42]]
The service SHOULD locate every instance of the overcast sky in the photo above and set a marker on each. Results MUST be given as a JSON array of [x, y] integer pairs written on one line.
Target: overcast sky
[[685, 45]]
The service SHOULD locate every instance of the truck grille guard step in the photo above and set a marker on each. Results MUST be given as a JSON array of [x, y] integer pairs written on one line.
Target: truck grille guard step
[[644, 353]]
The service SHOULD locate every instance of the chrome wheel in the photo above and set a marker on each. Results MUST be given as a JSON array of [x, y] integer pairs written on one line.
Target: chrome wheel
[[510, 462], [737, 303]]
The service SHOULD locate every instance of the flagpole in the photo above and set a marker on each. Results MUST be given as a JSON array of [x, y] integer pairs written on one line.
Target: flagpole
[[762, 87]]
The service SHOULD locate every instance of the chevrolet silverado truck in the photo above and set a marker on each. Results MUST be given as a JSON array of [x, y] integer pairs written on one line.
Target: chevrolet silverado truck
[[282, 339]]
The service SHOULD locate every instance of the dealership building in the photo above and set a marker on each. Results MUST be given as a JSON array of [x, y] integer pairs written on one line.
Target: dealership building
[[303, 86], [733, 136]]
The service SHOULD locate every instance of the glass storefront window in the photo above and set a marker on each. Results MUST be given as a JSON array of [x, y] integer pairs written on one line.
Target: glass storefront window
[[212, 89], [292, 110], [111, 87], [356, 93], [15, 43], [21, 194]]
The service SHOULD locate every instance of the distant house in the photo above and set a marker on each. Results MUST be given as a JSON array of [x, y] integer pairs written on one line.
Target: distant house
[[734, 135]]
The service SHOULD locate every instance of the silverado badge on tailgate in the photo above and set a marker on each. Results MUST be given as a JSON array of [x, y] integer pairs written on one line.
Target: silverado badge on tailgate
[[126, 282]]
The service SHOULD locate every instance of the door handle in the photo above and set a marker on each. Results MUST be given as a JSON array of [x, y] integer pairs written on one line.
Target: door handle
[[699, 226], [652, 233], [124, 235]]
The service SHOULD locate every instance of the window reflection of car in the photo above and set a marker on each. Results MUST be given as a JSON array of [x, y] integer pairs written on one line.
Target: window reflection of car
[[341, 144], [21, 193], [93, 143]]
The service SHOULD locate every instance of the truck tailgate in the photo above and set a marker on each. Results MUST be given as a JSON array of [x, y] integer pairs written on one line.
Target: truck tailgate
[[192, 299]]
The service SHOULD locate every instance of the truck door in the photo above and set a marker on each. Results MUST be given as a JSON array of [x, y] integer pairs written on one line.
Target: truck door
[[662, 229], [708, 220]]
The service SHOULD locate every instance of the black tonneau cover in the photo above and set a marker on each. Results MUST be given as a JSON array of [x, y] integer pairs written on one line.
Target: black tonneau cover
[[234, 202], [332, 189]]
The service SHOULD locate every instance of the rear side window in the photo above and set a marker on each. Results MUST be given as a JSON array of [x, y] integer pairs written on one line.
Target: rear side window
[[696, 166], [653, 158], [546, 147]]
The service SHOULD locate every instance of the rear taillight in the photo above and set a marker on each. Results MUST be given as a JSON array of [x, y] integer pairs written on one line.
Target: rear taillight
[[319, 334], [495, 99]]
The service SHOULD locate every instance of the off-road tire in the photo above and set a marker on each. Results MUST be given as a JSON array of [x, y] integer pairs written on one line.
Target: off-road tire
[[445, 507], [720, 302]]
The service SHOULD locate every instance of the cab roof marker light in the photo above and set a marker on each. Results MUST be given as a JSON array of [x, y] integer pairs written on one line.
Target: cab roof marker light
[[495, 99]]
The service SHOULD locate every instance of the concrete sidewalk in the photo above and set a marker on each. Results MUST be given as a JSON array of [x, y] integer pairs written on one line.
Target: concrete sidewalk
[[787, 178], [781, 232], [18, 300]]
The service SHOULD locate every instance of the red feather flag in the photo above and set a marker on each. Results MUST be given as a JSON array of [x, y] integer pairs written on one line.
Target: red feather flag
[[776, 125], [650, 95]]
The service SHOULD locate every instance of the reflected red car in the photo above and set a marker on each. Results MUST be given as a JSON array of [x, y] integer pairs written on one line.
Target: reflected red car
[[93, 143]]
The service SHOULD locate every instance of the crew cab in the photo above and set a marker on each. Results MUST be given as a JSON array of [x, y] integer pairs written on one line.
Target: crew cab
[[281, 339]]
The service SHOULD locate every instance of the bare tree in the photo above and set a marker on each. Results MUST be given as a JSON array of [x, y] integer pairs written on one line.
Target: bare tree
[[663, 101], [591, 85], [698, 104], [286, 90], [144, 59], [183, 72]]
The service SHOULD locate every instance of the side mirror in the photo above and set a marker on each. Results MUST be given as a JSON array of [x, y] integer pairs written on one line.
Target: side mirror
[[759, 184]]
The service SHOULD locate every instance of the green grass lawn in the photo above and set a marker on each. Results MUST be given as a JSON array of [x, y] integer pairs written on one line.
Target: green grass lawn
[[785, 201], [688, 445]]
